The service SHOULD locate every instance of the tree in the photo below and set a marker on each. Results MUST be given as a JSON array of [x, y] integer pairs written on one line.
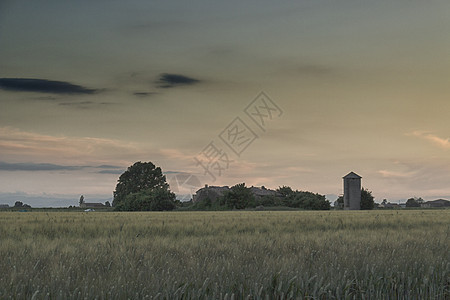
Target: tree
[[138, 177], [81, 200], [419, 200], [140, 183], [107, 204], [238, 197], [20, 204], [412, 202], [309, 200], [302, 199], [339, 203], [366, 199], [203, 204], [285, 190], [268, 200]]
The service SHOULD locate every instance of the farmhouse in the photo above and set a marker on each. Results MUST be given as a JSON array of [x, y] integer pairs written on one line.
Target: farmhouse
[[92, 205], [214, 192], [263, 191], [389, 205], [211, 192], [436, 203]]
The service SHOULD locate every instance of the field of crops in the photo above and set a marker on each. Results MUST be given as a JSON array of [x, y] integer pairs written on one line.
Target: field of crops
[[226, 255]]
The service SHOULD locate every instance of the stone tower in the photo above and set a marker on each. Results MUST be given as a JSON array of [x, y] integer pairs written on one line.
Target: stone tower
[[352, 191]]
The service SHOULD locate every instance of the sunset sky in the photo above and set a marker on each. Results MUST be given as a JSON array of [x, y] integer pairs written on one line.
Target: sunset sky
[[87, 88]]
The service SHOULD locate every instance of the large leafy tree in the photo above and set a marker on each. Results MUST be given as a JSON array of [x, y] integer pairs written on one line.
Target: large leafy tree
[[366, 199], [142, 181], [414, 202]]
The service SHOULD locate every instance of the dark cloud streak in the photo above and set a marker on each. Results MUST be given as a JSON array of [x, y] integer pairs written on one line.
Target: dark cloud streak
[[111, 171], [144, 94], [76, 103], [167, 80], [108, 167], [84, 104], [4, 166], [43, 86]]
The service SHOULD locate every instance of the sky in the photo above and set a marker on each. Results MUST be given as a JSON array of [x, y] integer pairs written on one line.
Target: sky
[[295, 93]]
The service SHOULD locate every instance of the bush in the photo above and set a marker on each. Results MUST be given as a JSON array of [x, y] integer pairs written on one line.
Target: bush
[[366, 199], [239, 197], [303, 200], [148, 200]]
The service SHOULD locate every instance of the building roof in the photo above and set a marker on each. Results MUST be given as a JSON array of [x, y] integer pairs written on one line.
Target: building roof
[[438, 203], [216, 189], [263, 191], [213, 192], [86, 204], [352, 175]]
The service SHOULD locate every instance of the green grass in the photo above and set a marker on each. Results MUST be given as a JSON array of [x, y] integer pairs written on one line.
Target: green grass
[[215, 255]]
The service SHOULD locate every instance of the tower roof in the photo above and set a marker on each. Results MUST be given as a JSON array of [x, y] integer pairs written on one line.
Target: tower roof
[[352, 175]]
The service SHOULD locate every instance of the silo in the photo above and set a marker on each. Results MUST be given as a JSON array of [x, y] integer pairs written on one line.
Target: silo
[[352, 191]]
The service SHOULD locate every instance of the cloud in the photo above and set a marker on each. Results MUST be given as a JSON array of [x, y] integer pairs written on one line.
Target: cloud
[[111, 171], [45, 98], [395, 174], [172, 80], [29, 166], [108, 167], [441, 142], [4, 166], [43, 86], [84, 104], [425, 177], [85, 152], [17, 145], [78, 104], [173, 172], [144, 94]]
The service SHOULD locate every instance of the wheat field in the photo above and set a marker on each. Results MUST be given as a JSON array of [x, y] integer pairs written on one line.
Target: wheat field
[[225, 255]]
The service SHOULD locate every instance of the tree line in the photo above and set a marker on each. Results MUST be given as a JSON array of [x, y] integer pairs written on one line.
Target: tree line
[[241, 197], [143, 187]]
